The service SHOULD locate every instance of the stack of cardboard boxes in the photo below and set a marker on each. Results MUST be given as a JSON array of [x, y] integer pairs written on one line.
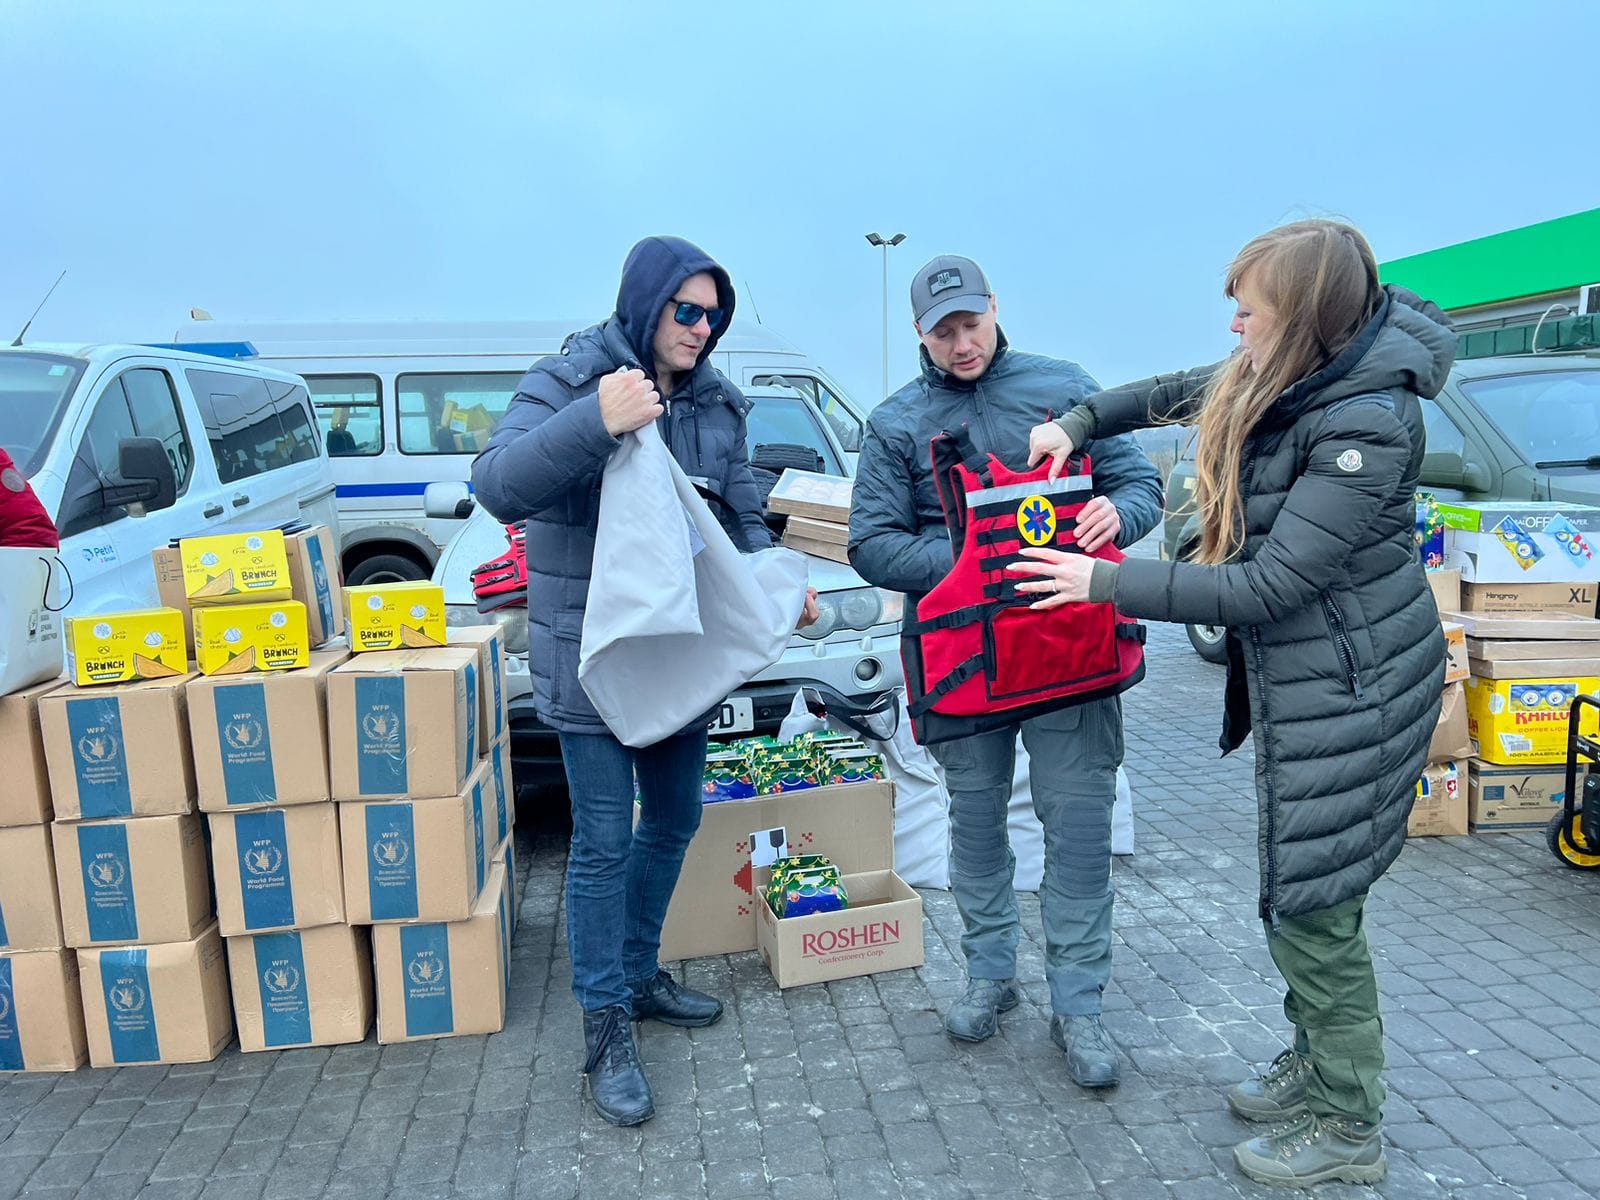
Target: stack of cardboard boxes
[[1530, 580], [818, 508]]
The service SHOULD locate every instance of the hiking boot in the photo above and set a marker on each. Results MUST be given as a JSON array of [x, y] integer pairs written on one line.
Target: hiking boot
[[976, 1015], [617, 1085], [665, 999], [1315, 1149], [1091, 1054], [1278, 1093]]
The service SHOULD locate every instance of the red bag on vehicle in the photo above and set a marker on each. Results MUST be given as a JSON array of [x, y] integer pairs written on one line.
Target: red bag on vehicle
[[23, 520]]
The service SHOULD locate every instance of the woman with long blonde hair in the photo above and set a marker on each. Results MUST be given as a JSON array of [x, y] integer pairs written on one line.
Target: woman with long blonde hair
[[1310, 444]]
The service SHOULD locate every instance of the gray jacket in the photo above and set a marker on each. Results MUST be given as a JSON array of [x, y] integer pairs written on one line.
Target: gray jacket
[[1337, 665], [898, 536]]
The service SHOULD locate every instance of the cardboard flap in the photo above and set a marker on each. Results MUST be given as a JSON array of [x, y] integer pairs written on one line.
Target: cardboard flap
[[421, 658], [1548, 626]]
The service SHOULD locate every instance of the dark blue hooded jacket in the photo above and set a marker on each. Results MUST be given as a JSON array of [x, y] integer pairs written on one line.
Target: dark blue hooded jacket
[[544, 462]]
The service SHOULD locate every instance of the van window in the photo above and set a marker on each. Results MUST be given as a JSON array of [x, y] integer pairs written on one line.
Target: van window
[[1549, 416], [1441, 434], [294, 410], [349, 413], [846, 425], [242, 424], [34, 390], [452, 414], [138, 403]]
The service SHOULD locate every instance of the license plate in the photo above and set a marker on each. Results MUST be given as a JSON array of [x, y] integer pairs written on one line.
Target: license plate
[[735, 716]]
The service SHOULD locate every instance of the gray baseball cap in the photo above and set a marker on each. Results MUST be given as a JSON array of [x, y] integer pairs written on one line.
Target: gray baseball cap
[[945, 285]]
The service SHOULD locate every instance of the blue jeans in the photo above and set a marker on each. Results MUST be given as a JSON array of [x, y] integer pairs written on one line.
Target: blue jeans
[[620, 877], [1073, 757]]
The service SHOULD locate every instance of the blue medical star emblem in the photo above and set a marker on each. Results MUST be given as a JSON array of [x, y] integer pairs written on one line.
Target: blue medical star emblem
[[1036, 521]]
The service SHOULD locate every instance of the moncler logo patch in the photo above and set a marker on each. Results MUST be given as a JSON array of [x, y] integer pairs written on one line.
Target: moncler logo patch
[[1350, 460]]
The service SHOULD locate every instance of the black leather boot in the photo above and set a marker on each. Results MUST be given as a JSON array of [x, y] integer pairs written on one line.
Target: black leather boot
[[664, 999], [617, 1085]]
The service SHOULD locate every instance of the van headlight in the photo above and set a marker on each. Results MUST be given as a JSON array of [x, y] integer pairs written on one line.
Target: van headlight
[[513, 622], [854, 608]]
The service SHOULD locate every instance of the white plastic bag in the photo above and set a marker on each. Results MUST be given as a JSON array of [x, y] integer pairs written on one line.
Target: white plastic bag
[[677, 618], [30, 629]]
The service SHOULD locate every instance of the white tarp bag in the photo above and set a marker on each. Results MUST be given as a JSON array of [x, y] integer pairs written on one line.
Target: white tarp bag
[[30, 629], [677, 617], [1027, 834]]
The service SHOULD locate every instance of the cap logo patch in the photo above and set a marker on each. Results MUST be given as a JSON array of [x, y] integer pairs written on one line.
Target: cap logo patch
[[943, 281], [1350, 460]]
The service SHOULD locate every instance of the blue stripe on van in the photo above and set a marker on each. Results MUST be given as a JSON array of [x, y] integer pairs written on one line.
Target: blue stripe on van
[[388, 489]]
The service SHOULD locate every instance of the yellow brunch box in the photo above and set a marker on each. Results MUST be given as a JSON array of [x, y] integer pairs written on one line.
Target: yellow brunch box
[[394, 616], [120, 647], [232, 639], [235, 568]]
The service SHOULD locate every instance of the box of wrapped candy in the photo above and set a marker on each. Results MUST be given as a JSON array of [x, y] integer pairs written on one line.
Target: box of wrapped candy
[[765, 766], [804, 885]]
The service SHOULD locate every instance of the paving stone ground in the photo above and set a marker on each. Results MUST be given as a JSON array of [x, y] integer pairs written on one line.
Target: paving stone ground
[[1488, 957]]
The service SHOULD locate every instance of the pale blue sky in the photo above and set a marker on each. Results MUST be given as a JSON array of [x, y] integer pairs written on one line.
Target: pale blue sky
[[496, 160]]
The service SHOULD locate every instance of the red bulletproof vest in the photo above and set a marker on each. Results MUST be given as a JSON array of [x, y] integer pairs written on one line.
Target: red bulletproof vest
[[977, 657]]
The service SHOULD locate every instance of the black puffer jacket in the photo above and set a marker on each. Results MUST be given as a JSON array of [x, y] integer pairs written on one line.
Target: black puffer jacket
[[1338, 662]]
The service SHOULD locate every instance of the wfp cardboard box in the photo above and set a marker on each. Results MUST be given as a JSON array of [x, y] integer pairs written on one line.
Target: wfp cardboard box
[[1456, 666], [1521, 542], [1452, 737], [440, 980], [1514, 797], [418, 860], [394, 616], [491, 645], [156, 1003], [30, 913], [1441, 806], [41, 1012], [310, 987], [235, 568], [881, 930], [1520, 721], [262, 739], [713, 910], [25, 798], [1445, 583], [505, 796], [403, 724], [119, 751], [235, 639], [147, 643], [1530, 599], [139, 880], [277, 868]]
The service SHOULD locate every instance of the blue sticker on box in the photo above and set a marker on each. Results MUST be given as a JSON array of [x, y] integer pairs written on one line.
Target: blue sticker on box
[[264, 880], [319, 582], [99, 757], [245, 739], [425, 964], [391, 866], [381, 735], [478, 846], [10, 1035], [108, 883], [5, 940], [130, 1012], [472, 722], [502, 810], [505, 941], [281, 982], [499, 701]]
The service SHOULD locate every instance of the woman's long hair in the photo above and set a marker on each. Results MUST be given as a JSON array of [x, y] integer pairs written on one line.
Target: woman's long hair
[[1319, 280]]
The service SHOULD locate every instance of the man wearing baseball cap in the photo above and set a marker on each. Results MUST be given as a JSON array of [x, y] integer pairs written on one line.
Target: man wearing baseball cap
[[898, 539]]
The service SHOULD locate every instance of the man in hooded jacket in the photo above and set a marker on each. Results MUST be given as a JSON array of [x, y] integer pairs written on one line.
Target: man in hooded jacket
[[647, 362]]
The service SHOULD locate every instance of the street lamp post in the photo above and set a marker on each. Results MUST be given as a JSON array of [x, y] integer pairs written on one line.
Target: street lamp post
[[876, 240]]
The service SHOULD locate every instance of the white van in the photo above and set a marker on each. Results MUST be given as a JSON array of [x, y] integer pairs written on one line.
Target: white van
[[406, 404], [128, 447]]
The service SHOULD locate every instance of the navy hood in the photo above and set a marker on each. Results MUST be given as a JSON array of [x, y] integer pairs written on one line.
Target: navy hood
[[654, 270]]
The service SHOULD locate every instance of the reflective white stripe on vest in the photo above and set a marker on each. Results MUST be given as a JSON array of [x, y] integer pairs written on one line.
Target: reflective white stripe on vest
[[1064, 486]]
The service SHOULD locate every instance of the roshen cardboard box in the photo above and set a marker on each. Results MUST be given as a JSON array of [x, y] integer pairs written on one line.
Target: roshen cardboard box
[[1521, 541], [30, 916], [25, 798], [418, 860], [881, 930], [1519, 721], [277, 868], [440, 980], [122, 647], [713, 909], [235, 568], [1441, 806], [144, 880], [491, 678], [1500, 798], [163, 1003], [314, 580], [262, 739], [1530, 599], [394, 616], [119, 751], [235, 639], [41, 1012], [403, 723], [1452, 737], [302, 987], [1456, 666]]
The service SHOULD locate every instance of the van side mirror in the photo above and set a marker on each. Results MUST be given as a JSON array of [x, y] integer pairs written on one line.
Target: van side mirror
[[1448, 469], [144, 477], [447, 500]]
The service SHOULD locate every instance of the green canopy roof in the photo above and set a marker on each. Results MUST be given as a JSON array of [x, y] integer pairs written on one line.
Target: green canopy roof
[[1551, 256]]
